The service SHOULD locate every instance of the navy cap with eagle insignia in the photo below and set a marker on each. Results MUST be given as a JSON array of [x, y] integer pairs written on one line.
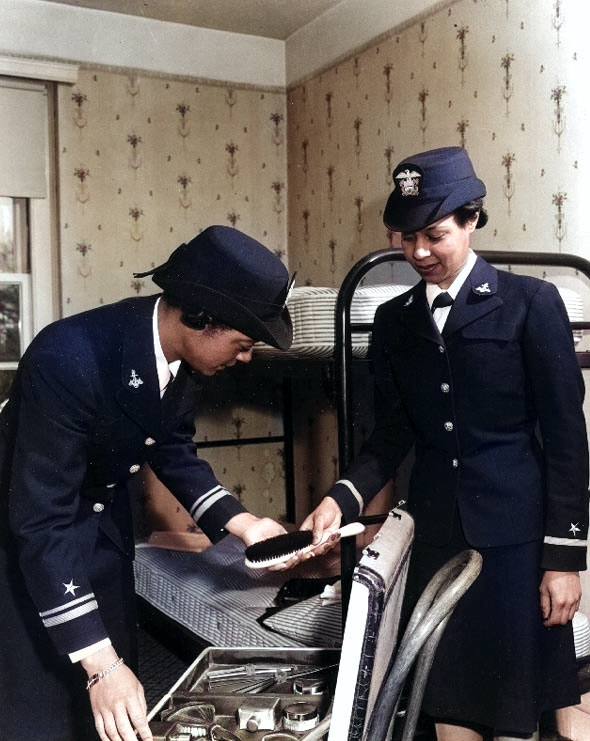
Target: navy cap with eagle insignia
[[429, 186]]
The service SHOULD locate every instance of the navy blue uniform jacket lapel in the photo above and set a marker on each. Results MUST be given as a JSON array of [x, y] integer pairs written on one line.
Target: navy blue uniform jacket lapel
[[476, 298]]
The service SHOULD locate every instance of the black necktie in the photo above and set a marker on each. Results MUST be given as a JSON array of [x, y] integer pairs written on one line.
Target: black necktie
[[443, 299]]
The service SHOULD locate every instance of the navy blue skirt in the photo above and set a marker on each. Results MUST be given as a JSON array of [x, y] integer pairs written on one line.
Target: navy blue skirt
[[496, 666]]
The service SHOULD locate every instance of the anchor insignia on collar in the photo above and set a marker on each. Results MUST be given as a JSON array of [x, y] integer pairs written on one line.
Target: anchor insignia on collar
[[484, 288], [135, 380]]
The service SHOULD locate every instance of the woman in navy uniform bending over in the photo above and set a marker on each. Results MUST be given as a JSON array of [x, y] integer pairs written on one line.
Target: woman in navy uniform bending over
[[96, 396], [484, 382]]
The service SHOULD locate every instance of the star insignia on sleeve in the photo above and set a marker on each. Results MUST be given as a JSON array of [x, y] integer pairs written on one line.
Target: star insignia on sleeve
[[574, 529], [71, 588]]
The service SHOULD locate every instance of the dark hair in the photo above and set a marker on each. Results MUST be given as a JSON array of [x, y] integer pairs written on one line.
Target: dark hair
[[465, 213], [195, 318]]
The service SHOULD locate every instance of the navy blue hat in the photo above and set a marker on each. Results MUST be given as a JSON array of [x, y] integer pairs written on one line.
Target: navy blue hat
[[235, 279], [430, 186]]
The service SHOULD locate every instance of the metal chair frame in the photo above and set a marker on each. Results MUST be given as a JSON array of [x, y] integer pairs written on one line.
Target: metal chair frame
[[417, 647]]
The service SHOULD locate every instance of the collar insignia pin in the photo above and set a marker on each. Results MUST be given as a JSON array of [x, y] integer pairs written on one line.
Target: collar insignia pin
[[135, 380], [484, 288], [409, 302]]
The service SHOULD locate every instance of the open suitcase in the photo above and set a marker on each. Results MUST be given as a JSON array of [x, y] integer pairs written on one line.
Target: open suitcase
[[343, 683]]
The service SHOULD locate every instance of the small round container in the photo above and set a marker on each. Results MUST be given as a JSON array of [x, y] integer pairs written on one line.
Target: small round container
[[309, 687], [300, 717]]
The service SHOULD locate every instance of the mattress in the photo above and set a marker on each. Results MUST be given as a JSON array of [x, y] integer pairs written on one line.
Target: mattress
[[574, 305], [312, 312], [216, 597]]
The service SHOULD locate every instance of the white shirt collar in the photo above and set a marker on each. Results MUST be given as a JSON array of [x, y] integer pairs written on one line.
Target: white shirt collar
[[432, 289], [166, 371]]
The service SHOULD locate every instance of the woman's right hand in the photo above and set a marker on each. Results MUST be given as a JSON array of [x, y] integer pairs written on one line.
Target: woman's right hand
[[117, 700]]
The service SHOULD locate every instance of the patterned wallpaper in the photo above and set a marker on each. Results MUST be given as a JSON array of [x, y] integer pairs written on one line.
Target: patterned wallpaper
[[503, 78], [146, 163]]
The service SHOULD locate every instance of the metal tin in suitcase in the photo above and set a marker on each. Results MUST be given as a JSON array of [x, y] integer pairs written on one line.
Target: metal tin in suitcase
[[246, 693], [372, 624]]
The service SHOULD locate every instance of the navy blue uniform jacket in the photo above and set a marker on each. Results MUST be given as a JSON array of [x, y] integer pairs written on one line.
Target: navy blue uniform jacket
[[494, 408], [83, 416]]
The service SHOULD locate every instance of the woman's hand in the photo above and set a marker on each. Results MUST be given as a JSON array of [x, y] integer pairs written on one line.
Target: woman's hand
[[251, 529], [560, 596], [324, 522], [117, 700]]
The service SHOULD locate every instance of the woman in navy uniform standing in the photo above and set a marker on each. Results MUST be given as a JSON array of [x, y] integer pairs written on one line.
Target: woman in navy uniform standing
[[96, 396], [476, 368]]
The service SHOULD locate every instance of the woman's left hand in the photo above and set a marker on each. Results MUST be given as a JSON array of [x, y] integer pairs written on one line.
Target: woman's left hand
[[561, 592]]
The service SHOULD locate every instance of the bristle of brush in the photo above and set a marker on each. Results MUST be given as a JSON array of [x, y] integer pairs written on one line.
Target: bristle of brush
[[278, 549]]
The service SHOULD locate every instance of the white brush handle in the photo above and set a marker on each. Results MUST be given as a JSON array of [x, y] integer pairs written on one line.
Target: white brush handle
[[353, 528]]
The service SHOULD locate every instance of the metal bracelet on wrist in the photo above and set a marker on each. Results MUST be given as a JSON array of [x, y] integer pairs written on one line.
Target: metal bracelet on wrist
[[95, 678]]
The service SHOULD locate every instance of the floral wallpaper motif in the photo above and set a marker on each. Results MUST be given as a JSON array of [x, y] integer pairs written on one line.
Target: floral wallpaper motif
[[82, 174], [79, 115], [507, 162], [507, 84], [147, 162], [462, 57], [557, 96], [501, 78]]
